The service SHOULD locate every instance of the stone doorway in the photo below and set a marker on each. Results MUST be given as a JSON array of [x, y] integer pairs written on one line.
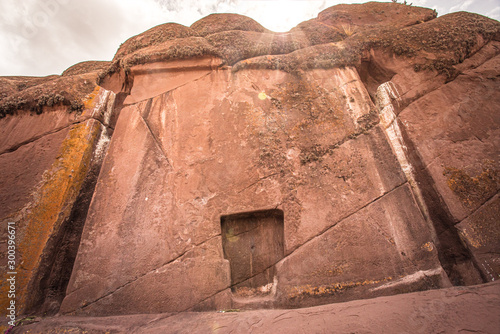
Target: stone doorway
[[253, 243]]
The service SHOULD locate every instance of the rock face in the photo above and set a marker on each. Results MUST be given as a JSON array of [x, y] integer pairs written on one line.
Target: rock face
[[453, 310], [50, 156], [355, 156]]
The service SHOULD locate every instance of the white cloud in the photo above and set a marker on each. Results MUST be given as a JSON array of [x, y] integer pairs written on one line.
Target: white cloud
[[494, 13], [462, 5], [276, 15], [47, 36], [41, 37]]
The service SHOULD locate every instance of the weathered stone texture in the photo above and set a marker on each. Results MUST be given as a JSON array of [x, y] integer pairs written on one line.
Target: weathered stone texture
[[359, 162], [46, 169], [250, 141], [457, 309]]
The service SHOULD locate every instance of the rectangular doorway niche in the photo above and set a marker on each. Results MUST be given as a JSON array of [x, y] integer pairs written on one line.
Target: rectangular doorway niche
[[253, 244]]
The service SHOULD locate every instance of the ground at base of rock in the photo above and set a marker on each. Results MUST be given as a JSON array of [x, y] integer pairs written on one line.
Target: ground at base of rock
[[473, 309]]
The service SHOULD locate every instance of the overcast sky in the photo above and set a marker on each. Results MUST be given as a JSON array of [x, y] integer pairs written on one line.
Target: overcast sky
[[42, 37]]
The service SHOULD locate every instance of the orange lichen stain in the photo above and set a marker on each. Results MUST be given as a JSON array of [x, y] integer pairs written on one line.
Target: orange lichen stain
[[428, 246], [329, 271], [90, 101], [473, 190], [481, 234], [52, 204], [330, 289], [483, 228], [472, 237]]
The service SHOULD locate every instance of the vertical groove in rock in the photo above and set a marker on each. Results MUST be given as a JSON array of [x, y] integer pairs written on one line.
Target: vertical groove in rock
[[454, 256], [48, 284]]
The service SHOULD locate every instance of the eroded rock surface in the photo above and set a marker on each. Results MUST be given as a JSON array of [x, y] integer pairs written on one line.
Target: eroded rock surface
[[355, 156], [50, 157], [453, 310]]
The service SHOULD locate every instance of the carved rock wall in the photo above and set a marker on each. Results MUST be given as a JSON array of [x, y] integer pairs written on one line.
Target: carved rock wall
[[50, 163], [355, 156], [224, 143]]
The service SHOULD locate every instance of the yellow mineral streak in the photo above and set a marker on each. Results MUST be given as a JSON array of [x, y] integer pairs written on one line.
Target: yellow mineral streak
[[51, 205]]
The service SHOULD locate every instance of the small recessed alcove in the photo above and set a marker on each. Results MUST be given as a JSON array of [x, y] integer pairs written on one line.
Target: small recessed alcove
[[253, 244]]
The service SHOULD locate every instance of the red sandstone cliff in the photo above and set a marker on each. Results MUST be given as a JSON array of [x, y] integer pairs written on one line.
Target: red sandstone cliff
[[355, 156]]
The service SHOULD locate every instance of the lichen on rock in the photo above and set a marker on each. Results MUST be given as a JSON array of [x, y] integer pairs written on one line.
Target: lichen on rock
[[343, 124], [476, 188]]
